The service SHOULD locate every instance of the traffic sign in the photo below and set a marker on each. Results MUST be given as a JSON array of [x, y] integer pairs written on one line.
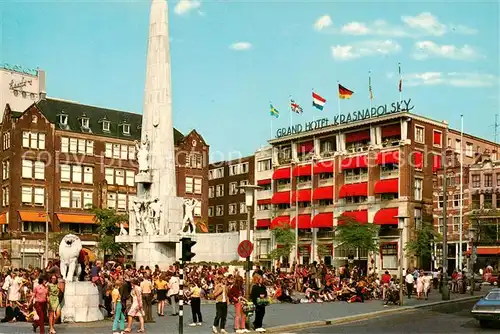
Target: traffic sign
[[245, 248]]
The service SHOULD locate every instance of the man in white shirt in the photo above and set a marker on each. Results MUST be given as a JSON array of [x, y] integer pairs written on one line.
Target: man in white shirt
[[173, 293], [409, 280]]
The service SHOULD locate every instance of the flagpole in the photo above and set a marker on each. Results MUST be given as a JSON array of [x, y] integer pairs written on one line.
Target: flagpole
[[338, 96], [314, 117], [291, 113], [400, 84], [370, 88], [461, 190]]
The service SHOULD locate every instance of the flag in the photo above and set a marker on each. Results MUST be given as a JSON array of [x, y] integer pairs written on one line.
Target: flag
[[273, 111], [296, 108], [318, 101], [400, 78], [344, 93], [370, 86]]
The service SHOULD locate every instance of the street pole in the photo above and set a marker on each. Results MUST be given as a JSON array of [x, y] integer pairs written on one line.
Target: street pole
[[23, 251], [445, 291], [247, 273], [461, 218], [401, 281], [181, 297], [46, 229]]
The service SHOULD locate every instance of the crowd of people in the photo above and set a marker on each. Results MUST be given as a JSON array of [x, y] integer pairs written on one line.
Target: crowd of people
[[129, 293]]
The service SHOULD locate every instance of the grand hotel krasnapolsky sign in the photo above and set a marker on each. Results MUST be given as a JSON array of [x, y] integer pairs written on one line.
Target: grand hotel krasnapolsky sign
[[374, 112]]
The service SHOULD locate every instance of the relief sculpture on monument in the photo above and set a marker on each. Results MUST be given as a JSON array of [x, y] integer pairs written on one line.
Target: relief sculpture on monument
[[142, 154]]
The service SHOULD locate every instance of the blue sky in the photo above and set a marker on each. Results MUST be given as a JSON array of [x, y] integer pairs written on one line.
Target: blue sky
[[231, 58]]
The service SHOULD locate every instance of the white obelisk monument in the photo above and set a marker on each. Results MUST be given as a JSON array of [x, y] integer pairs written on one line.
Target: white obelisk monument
[[156, 213]]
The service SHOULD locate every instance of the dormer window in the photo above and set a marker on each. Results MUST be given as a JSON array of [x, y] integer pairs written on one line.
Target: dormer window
[[63, 119], [106, 126], [85, 122], [126, 129]]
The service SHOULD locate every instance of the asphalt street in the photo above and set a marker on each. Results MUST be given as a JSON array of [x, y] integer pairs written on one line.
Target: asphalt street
[[451, 318]]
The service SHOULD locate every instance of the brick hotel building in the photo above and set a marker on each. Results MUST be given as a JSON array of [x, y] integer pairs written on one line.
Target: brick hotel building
[[369, 171], [58, 157]]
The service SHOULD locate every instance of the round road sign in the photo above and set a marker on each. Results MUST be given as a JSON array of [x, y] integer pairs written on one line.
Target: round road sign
[[245, 248]]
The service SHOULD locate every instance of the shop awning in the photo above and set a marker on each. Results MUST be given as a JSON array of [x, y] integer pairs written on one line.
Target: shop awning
[[302, 195], [327, 166], [392, 130], [33, 216], [388, 157], [302, 170], [263, 223], [359, 161], [282, 173], [76, 219], [486, 251], [3, 218], [280, 222], [386, 216], [389, 186], [264, 201], [323, 193], [282, 197], [354, 189], [323, 220], [304, 222], [264, 182], [353, 137], [360, 216]]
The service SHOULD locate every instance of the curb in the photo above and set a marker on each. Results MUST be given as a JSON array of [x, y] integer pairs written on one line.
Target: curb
[[364, 316]]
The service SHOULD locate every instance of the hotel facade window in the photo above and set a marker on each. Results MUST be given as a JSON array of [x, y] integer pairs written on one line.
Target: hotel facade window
[[33, 140]]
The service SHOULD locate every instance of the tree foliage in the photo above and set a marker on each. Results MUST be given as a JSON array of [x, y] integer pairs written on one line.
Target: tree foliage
[[421, 245], [109, 227], [55, 240], [285, 237], [353, 235]]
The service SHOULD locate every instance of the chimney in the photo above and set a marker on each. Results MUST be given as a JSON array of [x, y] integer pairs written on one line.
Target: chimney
[[41, 84]]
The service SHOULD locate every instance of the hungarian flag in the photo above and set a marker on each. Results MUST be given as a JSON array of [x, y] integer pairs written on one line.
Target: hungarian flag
[[318, 101], [344, 93]]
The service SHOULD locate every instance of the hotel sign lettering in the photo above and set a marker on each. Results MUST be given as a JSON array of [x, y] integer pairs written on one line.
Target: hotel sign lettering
[[360, 115]]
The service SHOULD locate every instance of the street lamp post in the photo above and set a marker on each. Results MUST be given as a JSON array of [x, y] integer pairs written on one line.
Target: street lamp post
[[401, 226], [249, 195], [23, 251], [470, 266]]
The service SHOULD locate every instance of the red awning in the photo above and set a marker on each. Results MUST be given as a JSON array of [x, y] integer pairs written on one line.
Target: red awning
[[392, 130], [264, 182], [360, 216], [359, 161], [302, 170], [264, 201], [386, 216], [352, 137], [436, 163], [282, 173], [305, 147], [388, 157], [354, 189], [418, 159], [280, 221], [282, 197], [437, 138], [304, 222], [263, 223], [302, 195], [324, 219], [389, 186], [327, 166], [323, 193], [486, 251]]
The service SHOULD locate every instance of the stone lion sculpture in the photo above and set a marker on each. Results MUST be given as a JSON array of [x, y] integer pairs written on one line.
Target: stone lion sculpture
[[69, 249]]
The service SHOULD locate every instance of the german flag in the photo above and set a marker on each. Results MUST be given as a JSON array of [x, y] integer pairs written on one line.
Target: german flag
[[344, 93]]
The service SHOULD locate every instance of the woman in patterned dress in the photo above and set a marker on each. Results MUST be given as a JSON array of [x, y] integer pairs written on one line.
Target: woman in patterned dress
[[136, 307], [54, 305]]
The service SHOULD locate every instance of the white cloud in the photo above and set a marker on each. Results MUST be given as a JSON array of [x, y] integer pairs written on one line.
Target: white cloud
[[185, 6], [240, 46], [456, 79], [427, 49], [423, 24], [323, 22], [364, 49]]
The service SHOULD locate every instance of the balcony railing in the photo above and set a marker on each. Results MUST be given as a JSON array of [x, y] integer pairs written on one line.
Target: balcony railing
[[304, 185], [325, 234], [327, 154], [305, 235], [325, 182], [283, 187], [389, 174], [283, 161], [356, 178], [305, 157]]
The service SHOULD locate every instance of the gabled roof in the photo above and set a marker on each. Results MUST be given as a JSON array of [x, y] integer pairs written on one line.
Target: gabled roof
[[53, 108]]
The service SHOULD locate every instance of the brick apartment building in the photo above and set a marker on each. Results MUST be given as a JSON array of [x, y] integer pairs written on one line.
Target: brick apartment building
[[368, 170], [60, 157], [473, 149], [227, 211]]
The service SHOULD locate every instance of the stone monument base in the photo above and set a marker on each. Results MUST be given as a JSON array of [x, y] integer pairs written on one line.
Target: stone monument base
[[150, 253], [81, 303]]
